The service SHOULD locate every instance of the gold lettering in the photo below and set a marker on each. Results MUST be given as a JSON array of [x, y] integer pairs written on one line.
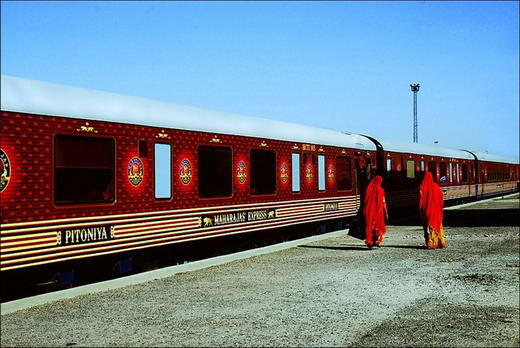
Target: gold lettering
[[86, 234], [104, 233]]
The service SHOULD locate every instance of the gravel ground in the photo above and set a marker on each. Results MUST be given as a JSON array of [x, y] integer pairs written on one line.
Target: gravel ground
[[333, 292]]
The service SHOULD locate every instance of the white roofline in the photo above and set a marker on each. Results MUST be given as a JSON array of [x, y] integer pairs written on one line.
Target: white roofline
[[37, 97], [483, 156], [426, 150]]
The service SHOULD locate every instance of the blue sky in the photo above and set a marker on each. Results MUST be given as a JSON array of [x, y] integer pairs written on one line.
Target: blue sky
[[337, 65]]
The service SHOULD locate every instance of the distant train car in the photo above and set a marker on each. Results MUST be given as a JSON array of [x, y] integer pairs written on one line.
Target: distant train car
[[494, 175], [462, 175], [93, 173]]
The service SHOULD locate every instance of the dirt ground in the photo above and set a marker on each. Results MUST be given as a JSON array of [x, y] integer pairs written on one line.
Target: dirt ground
[[334, 292]]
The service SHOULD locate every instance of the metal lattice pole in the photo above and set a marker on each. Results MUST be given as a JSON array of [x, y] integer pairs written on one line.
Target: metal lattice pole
[[415, 89]]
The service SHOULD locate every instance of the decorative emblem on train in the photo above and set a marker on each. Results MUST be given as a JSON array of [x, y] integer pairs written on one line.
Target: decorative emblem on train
[[5, 170], [237, 217], [185, 172], [162, 135], [330, 172], [284, 173], [241, 172], [135, 171], [86, 128], [308, 172]]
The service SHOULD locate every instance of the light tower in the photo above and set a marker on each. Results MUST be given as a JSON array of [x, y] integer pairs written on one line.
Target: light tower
[[415, 89]]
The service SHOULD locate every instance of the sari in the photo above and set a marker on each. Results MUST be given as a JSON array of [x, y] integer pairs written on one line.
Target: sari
[[431, 204], [374, 212]]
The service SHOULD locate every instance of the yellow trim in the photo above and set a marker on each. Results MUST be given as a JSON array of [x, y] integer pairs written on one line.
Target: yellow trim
[[29, 247], [159, 244], [124, 240], [28, 236]]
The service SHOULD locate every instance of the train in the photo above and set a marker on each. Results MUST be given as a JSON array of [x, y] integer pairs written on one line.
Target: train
[[87, 174]]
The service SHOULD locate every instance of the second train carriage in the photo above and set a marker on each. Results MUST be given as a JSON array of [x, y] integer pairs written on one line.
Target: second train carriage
[[461, 174], [94, 173]]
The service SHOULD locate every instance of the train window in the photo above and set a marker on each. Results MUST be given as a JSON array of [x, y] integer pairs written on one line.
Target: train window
[[464, 172], [215, 172], [410, 169], [162, 170], [83, 169], [295, 170], [343, 173], [263, 172], [442, 172], [143, 148], [321, 172], [388, 164], [457, 169], [422, 166]]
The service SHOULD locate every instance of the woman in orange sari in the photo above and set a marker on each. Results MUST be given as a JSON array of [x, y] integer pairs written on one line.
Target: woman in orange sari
[[374, 212], [431, 204]]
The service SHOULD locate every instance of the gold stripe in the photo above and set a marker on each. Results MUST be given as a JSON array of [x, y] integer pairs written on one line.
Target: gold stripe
[[29, 236], [123, 240], [156, 245], [143, 231], [196, 222], [33, 242], [300, 212], [29, 247]]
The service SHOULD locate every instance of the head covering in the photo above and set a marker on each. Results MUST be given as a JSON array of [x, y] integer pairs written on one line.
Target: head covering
[[374, 211], [431, 202]]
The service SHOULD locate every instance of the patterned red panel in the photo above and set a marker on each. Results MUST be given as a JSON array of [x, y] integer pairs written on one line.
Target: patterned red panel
[[28, 141]]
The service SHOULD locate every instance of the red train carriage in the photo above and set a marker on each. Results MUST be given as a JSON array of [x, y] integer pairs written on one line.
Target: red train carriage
[[93, 173], [494, 175], [461, 174]]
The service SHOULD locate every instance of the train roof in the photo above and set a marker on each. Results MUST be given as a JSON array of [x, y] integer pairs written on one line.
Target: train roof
[[484, 156], [422, 149], [37, 97], [434, 150]]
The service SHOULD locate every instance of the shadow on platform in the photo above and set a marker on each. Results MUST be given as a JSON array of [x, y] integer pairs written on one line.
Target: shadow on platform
[[481, 217], [468, 218]]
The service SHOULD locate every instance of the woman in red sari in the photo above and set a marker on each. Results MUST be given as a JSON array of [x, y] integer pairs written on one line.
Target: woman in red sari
[[431, 204], [375, 212]]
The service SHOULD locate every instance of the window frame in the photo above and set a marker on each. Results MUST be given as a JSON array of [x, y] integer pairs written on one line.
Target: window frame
[[112, 201], [322, 175], [155, 143], [443, 164], [297, 173], [412, 167], [464, 176], [389, 167], [231, 175], [275, 173], [350, 174]]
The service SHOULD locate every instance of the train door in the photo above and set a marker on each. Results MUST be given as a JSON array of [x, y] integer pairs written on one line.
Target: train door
[[359, 173], [473, 179]]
